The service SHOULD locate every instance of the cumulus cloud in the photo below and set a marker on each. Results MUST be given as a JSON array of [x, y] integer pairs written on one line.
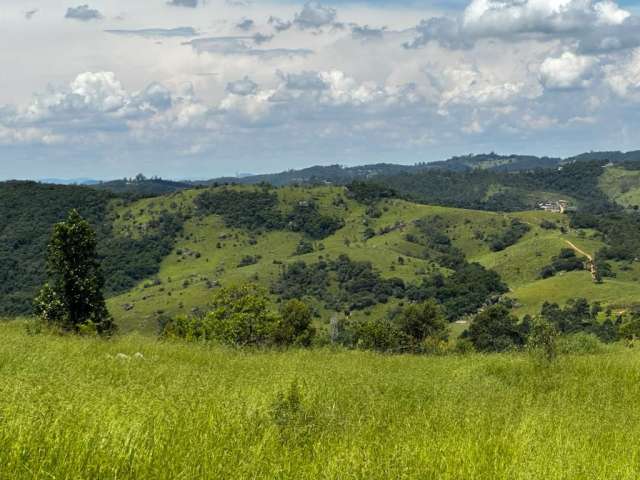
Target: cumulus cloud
[[466, 85], [611, 38], [314, 16], [242, 87], [498, 70], [260, 38], [245, 24], [158, 32], [567, 71], [303, 81], [365, 32], [447, 32], [594, 24], [623, 78], [278, 24], [83, 13], [499, 17]]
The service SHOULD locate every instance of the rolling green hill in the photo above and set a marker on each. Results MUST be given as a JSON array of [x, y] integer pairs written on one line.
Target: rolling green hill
[[358, 251], [621, 185], [210, 253]]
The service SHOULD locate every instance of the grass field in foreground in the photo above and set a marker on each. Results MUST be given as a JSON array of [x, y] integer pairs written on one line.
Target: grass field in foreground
[[74, 408]]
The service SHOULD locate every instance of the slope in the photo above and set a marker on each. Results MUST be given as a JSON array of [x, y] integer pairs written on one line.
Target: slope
[[209, 252]]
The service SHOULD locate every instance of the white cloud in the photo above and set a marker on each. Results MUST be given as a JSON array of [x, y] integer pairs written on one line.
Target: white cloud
[[314, 16], [310, 81], [242, 87], [83, 13], [623, 78], [498, 17], [567, 71]]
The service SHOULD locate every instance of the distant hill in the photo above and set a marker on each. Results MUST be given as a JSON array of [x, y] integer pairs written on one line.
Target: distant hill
[[341, 175], [143, 187], [337, 174], [69, 181]]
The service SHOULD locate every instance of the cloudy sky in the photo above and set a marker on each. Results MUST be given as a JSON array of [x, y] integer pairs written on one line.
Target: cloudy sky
[[201, 88]]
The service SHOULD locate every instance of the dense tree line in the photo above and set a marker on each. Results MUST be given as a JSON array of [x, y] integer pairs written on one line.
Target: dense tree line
[[502, 191], [566, 261], [461, 293], [369, 193], [28, 212], [514, 232], [258, 210], [342, 284], [621, 231]]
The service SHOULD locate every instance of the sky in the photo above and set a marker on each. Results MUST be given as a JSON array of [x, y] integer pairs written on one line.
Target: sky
[[205, 88]]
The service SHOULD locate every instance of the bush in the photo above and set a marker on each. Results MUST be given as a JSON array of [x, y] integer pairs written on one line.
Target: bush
[[515, 232], [423, 321], [304, 247], [379, 334], [495, 330], [542, 341], [580, 343], [295, 326], [238, 316]]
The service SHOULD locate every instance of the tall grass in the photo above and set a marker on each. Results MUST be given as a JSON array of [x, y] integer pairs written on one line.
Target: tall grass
[[74, 408]]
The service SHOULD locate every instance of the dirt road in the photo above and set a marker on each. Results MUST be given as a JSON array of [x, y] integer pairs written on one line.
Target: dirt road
[[591, 266]]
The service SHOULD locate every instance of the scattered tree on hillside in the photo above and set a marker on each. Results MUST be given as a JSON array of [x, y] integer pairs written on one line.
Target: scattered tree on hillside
[[73, 299], [295, 324], [423, 320], [496, 329]]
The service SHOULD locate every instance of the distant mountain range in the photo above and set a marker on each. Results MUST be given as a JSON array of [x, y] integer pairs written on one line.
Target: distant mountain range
[[70, 181], [337, 174]]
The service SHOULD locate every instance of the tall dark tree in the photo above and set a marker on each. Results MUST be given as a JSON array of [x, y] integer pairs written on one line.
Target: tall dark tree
[[424, 320], [73, 298], [495, 330]]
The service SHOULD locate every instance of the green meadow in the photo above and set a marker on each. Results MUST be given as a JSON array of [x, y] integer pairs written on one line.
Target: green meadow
[[137, 408]]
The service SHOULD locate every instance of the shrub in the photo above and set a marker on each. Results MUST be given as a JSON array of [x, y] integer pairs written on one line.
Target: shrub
[[630, 328], [422, 321], [304, 247], [295, 326], [515, 232], [495, 330], [295, 421], [542, 341], [580, 343], [379, 334], [238, 316]]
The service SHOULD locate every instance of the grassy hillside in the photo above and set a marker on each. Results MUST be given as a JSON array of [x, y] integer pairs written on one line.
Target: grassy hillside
[[29, 210], [136, 408], [621, 185], [208, 253], [164, 255]]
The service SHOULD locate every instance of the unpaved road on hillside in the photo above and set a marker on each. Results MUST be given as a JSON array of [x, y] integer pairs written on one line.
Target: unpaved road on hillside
[[591, 266], [580, 251]]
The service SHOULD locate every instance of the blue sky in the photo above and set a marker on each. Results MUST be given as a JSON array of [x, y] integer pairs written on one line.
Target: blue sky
[[197, 89]]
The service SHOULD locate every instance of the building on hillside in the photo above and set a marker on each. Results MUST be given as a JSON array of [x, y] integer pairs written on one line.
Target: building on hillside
[[555, 206]]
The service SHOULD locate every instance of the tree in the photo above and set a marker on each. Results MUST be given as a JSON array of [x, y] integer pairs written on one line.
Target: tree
[[495, 330], [240, 315], [542, 340], [295, 326], [73, 299], [423, 320]]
